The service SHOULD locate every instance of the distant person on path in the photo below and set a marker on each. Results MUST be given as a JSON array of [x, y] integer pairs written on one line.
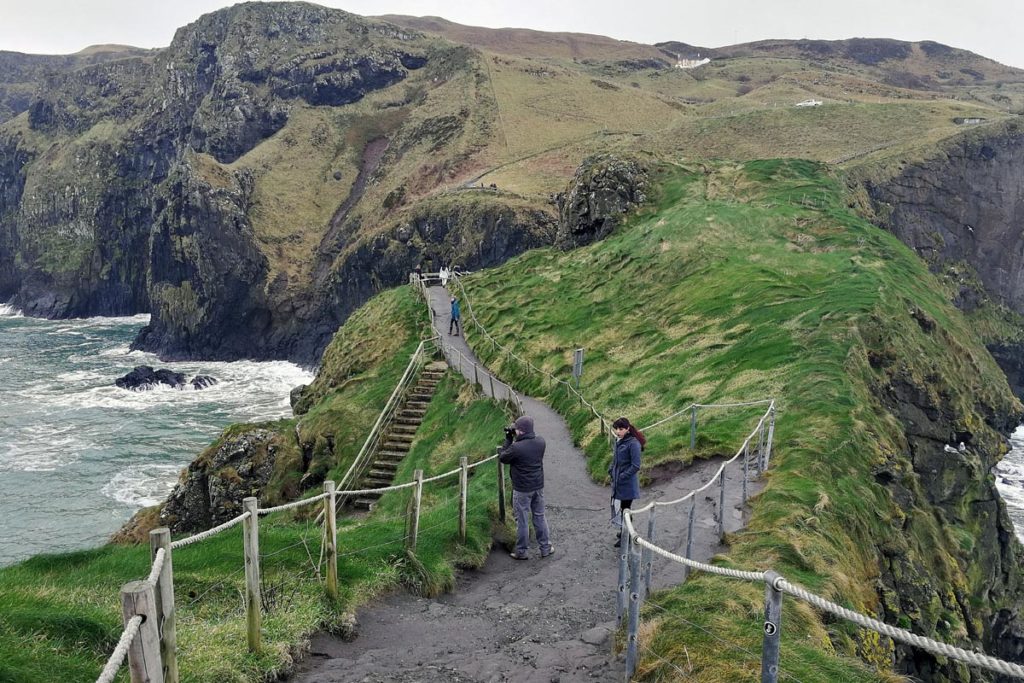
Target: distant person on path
[[456, 313], [444, 276], [419, 272], [625, 470], [523, 452]]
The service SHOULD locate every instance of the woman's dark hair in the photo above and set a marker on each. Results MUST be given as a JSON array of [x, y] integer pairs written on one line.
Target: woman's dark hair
[[623, 423]]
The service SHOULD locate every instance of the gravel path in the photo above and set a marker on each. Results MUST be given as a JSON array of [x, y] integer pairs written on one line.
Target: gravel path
[[542, 620]]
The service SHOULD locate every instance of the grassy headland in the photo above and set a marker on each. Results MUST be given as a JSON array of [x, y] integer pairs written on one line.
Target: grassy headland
[[750, 280]]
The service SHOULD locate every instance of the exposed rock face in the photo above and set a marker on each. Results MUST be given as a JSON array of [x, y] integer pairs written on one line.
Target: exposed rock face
[[984, 611], [966, 204], [604, 188], [211, 490]]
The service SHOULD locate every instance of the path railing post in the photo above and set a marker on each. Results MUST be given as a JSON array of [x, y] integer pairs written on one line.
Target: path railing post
[[463, 496], [331, 540], [772, 629], [771, 438], [138, 598], [721, 504], [620, 602], [693, 427], [647, 560], [251, 547], [412, 524], [689, 534], [746, 457], [760, 446], [164, 592], [490, 379], [501, 490], [634, 613]]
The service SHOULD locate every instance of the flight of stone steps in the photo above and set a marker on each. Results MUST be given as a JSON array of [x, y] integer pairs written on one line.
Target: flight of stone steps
[[397, 441]]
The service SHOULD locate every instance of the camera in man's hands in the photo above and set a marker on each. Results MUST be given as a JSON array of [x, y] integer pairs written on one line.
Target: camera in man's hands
[[510, 432]]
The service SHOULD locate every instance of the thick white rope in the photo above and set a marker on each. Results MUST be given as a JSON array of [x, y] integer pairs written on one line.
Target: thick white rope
[[481, 462], [933, 646], [181, 543], [293, 504], [158, 566], [131, 629]]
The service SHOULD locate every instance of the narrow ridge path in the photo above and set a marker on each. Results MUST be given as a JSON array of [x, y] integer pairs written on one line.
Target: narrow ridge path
[[536, 621]]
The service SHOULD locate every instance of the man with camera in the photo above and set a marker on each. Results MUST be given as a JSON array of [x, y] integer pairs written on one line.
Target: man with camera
[[523, 452]]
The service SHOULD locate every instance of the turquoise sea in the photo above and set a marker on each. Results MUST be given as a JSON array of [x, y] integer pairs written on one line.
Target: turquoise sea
[[79, 456]]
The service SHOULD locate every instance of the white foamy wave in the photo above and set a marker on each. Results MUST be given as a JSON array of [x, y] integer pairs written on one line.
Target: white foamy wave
[[8, 311], [39, 449], [142, 485]]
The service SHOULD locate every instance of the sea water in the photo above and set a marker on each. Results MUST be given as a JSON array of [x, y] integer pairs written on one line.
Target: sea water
[[1010, 480], [78, 455]]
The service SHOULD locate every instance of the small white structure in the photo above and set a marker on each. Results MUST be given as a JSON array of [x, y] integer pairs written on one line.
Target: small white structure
[[809, 103], [690, 63]]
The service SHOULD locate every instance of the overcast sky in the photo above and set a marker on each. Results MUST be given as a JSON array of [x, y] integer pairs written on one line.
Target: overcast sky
[[992, 28]]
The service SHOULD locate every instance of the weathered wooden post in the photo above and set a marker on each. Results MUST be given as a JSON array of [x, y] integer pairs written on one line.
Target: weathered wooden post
[[647, 560], [721, 504], [689, 533], [251, 547], [771, 437], [476, 376], [746, 456], [772, 629], [760, 446], [620, 602], [412, 524], [463, 496], [501, 490], [634, 613], [138, 598], [693, 427], [490, 379], [331, 540], [164, 592]]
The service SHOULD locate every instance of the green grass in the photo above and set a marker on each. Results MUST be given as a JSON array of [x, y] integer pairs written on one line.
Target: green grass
[[748, 281], [61, 613]]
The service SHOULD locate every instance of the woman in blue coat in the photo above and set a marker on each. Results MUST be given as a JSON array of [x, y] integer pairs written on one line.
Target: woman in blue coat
[[625, 470]]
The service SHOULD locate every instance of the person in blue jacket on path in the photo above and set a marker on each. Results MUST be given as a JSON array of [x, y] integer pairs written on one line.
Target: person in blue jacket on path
[[454, 324], [625, 470]]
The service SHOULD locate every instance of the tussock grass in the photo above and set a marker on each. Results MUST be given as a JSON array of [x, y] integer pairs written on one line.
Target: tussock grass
[[750, 280], [60, 615]]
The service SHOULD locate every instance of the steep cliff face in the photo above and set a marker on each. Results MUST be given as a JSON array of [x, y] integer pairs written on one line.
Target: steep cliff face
[[966, 203]]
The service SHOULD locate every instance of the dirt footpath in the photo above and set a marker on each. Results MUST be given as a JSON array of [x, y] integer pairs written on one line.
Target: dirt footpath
[[541, 620]]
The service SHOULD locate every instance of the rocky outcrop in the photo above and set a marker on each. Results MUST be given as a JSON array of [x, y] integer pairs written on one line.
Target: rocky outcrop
[[145, 378], [965, 204], [211, 490], [604, 188]]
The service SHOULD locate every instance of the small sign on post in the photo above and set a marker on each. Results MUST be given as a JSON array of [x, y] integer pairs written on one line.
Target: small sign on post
[[577, 366]]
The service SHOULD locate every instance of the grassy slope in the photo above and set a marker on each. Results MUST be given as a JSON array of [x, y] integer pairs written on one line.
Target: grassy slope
[[60, 617], [754, 280]]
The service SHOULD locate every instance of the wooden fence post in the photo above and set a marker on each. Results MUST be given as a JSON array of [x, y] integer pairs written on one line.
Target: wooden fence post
[[463, 497], [412, 523], [693, 427], [164, 591], [501, 490], [772, 629], [251, 547], [721, 505], [138, 598], [331, 540], [476, 376]]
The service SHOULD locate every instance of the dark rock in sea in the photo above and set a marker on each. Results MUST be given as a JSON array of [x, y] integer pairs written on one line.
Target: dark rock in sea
[[202, 382], [144, 378]]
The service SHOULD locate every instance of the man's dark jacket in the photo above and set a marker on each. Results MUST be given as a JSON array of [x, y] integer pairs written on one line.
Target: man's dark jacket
[[525, 456]]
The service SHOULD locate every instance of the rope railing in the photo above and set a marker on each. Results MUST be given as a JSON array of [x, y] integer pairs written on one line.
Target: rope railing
[[131, 630], [635, 562]]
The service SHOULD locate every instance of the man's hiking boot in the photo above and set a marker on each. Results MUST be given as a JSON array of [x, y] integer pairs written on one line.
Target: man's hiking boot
[[550, 552], [517, 556]]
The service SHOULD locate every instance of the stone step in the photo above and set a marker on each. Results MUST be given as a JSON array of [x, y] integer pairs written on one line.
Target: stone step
[[417, 405], [404, 428], [391, 455], [401, 436], [365, 503], [411, 421], [420, 397], [384, 469], [374, 482], [396, 446], [412, 412]]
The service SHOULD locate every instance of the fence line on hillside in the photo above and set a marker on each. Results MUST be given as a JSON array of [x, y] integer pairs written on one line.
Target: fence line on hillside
[[636, 563], [636, 557]]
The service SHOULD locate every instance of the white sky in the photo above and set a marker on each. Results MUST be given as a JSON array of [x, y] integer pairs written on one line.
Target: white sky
[[992, 28]]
